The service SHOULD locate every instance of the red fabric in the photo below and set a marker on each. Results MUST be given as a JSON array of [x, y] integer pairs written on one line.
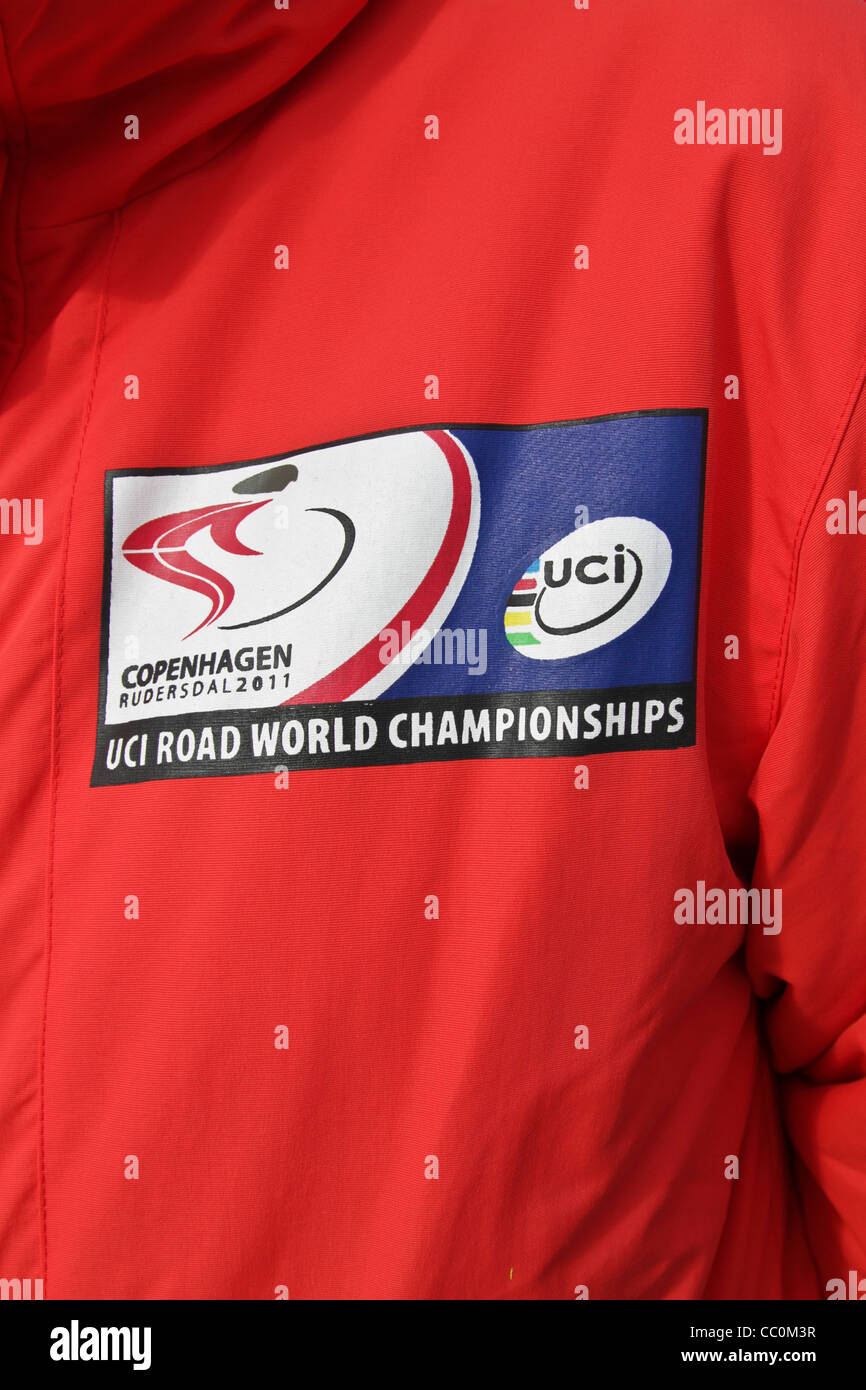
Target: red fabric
[[409, 1037]]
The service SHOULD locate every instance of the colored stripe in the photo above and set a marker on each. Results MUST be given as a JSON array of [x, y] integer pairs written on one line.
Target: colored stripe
[[366, 663], [518, 619], [522, 639], [525, 584], [521, 600]]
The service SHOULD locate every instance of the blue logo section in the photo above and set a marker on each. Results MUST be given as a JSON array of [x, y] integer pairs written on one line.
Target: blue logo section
[[535, 484]]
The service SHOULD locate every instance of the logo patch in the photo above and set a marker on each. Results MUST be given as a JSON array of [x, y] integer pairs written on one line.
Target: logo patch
[[419, 595], [629, 557]]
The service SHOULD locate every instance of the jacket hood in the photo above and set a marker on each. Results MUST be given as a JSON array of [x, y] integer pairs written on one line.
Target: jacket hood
[[194, 74]]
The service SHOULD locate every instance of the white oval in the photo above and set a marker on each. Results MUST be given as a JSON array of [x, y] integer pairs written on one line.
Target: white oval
[[589, 588]]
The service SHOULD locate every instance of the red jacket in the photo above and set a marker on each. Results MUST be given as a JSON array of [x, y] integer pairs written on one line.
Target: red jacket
[[431, 555]]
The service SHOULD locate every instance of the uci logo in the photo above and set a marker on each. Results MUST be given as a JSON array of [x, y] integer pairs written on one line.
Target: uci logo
[[588, 588]]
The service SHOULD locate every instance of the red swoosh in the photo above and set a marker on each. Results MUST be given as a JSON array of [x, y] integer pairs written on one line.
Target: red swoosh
[[342, 683]]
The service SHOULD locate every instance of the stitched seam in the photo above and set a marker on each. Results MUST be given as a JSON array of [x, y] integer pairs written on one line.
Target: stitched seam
[[839, 433], [99, 337]]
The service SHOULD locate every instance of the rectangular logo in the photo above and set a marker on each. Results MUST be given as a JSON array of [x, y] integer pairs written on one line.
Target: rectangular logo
[[419, 595]]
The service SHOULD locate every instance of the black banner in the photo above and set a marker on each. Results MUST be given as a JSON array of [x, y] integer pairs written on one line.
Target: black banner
[[367, 733], [211, 1341]]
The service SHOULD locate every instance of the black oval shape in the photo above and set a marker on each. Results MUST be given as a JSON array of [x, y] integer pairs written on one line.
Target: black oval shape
[[272, 480]]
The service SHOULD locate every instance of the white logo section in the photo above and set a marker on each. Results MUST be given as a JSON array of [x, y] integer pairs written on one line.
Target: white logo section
[[244, 571], [589, 588]]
